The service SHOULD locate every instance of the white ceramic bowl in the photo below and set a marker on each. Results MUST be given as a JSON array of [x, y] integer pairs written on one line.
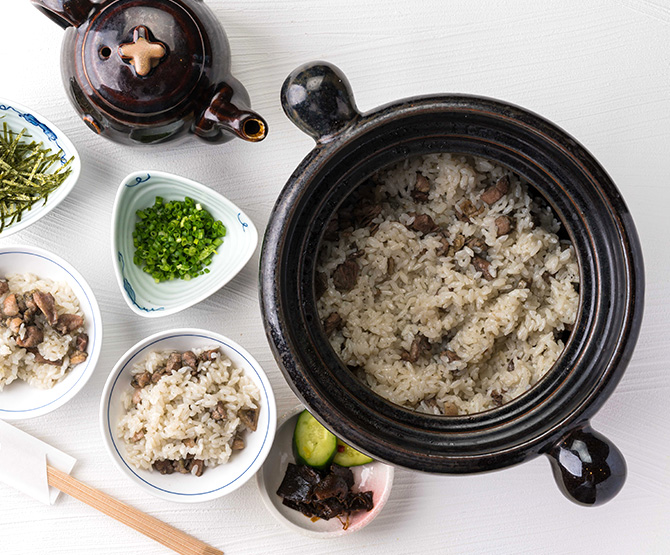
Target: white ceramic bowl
[[142, 294], [375, 476], [41, 129], [216, 481], [19, 400]]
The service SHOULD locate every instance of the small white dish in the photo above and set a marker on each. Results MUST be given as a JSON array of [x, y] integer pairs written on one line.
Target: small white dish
[[216, 481], [141, 292], [375, 476], [42, 130], [18, 399]]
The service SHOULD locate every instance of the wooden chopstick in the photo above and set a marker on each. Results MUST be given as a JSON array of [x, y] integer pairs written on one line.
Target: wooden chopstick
[[149, 526]]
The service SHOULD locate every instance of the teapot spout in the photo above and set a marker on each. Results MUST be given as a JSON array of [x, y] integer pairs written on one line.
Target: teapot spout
[[66, 13], [227, 116]]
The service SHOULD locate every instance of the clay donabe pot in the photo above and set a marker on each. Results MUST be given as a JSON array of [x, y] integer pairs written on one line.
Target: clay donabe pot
[[552, 418], [149, 71]]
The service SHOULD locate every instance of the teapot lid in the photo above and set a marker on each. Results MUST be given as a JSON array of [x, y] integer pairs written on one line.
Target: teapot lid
[[142, 57]]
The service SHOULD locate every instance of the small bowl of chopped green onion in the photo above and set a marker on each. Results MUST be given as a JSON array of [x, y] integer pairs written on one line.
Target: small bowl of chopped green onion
[[39, 166], [175, 242]]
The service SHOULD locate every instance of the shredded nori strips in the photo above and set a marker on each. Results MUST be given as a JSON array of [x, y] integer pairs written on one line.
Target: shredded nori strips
[[25, 174]]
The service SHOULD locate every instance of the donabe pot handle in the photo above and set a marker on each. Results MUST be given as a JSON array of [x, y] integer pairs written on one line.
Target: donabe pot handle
[[317, 98], [588, 468]]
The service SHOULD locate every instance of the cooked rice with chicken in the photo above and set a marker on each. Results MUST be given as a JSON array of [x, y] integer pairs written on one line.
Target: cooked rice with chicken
[[42, 333], [446, 286], [187, 411]]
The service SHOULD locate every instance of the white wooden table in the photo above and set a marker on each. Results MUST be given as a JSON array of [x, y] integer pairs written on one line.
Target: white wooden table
[[599, 69]]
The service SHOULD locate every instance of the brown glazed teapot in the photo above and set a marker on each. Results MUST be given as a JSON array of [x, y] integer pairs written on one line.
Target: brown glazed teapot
[[149, 71]]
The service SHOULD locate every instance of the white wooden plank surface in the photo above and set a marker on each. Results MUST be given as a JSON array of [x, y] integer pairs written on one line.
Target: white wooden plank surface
[[599, 69]]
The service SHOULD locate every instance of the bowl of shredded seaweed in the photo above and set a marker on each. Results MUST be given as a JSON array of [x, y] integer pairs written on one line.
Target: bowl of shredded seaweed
[[39, 166]]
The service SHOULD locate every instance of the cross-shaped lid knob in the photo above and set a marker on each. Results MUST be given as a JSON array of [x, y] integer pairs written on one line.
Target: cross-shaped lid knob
[[142, 54]]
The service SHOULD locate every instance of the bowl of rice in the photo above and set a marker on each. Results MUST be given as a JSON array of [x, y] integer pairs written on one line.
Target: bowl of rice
[[188, 415], [50, 332], [452, 284]]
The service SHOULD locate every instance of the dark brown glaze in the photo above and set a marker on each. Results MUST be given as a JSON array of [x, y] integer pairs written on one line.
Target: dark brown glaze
[[350, 148], [148, 71], [66, 13]]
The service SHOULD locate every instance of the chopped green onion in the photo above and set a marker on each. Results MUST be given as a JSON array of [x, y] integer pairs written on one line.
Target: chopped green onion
[[176, 240]]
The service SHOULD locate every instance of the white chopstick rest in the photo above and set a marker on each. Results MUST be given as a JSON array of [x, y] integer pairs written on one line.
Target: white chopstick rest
[[23, 463], [30, 465]]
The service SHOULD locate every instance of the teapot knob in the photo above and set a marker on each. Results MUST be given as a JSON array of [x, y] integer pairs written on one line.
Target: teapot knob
[[588, 468], [318, 99], [66, 12]]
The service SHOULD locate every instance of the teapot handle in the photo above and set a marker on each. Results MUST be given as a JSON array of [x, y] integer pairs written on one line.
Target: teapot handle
[[318, 99], [588, 468], [66, 12]]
